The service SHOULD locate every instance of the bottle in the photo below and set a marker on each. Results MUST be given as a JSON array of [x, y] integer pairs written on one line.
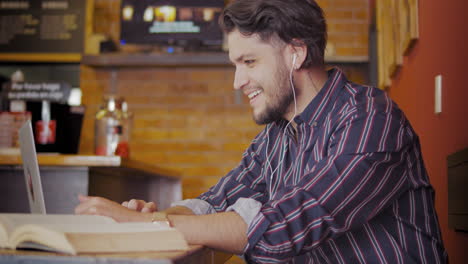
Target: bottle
[[123, 147], [107, 128], [45, 130]]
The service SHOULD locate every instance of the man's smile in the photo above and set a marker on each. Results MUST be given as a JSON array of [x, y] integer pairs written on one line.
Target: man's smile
[[253, 94]]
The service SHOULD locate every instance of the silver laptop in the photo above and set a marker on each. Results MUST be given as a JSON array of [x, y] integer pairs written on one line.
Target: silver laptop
[[31, 169]]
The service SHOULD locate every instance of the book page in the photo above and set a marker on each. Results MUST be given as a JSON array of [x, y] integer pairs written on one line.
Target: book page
[[7, 226], [12, 221], [99, 228], [5, 231], [80, 233]]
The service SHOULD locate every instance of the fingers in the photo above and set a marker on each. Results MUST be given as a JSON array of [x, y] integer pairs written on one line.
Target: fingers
[[84, 206], [140, 205], [91, 204], [133, 205], [83, 198], [149, 208], [129, 204]]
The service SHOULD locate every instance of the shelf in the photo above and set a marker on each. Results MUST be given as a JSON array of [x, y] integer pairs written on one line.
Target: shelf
[[157, 59], [205, 59]]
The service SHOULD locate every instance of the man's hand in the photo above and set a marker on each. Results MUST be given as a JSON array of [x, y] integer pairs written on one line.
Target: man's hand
[[93, 205], [224, 231], [140, 206]]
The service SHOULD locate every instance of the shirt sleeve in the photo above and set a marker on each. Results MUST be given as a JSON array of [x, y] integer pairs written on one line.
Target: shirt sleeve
[[247, 208], [199, 207], [365, 171], [245, 181]]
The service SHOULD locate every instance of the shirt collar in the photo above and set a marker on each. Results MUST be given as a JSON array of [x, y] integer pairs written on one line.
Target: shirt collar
[[322, 103]]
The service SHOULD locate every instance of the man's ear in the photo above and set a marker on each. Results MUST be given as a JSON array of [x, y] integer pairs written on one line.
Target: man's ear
[[299, 51]]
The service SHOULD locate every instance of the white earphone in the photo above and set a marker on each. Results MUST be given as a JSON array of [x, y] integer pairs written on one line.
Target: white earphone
[[294, 61], [284, 133]]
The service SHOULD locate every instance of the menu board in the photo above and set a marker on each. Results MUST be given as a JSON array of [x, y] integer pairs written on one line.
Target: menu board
[[42, 26]]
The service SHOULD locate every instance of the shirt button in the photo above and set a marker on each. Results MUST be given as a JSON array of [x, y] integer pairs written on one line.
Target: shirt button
[[314, 124]]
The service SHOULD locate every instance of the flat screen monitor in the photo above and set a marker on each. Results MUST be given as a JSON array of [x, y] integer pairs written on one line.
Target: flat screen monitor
[[186, 23]]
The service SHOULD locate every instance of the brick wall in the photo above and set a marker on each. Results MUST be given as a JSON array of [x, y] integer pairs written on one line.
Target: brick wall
[[189, 119], [185, 119], [348, 26]]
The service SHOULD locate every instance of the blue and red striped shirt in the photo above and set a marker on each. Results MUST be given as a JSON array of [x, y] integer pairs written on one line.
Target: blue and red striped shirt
[[347, 186]]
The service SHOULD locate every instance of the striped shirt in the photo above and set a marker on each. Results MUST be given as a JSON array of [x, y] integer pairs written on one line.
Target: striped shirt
[[347, 186]]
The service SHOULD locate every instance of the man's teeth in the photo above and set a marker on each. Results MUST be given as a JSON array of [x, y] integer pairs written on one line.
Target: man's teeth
[[252, 95]]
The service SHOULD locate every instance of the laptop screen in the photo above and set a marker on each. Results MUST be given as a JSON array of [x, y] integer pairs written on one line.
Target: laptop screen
[[31, 169]]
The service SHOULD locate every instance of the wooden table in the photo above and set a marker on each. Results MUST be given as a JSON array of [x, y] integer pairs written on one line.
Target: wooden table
[[66, 176], [196, 255]]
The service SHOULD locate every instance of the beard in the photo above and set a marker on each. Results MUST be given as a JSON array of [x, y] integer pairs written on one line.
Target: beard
[[278, 100]]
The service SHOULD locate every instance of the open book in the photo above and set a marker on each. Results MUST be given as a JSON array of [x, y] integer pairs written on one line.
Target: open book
[[74, 234]]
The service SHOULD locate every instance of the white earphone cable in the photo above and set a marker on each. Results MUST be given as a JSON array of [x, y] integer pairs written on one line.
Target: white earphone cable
[[284, 132]]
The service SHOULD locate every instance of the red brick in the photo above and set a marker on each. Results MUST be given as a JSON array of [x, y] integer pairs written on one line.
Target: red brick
[[362, 14], [207, 75], [149, 157], [352, 51], [339, 14], [151, 134], [204, 172], [184, 88], [236, 146]]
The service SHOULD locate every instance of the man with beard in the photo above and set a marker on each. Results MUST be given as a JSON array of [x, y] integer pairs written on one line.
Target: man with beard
[[337, 174]]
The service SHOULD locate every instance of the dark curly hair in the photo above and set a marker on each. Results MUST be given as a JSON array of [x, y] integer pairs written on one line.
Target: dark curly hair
[[296, 22]]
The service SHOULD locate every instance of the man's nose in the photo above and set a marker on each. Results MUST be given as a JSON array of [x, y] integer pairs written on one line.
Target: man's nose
[[240, 79]]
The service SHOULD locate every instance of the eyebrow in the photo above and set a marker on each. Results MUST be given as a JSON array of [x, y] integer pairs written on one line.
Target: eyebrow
[[241, 57]]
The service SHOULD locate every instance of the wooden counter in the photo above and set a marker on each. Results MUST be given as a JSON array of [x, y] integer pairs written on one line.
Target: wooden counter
[[66, 176], [195, 254], [90, 161], [65, 160]]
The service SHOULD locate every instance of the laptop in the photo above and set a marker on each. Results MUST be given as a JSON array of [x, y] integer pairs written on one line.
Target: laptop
[[31, 169]]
